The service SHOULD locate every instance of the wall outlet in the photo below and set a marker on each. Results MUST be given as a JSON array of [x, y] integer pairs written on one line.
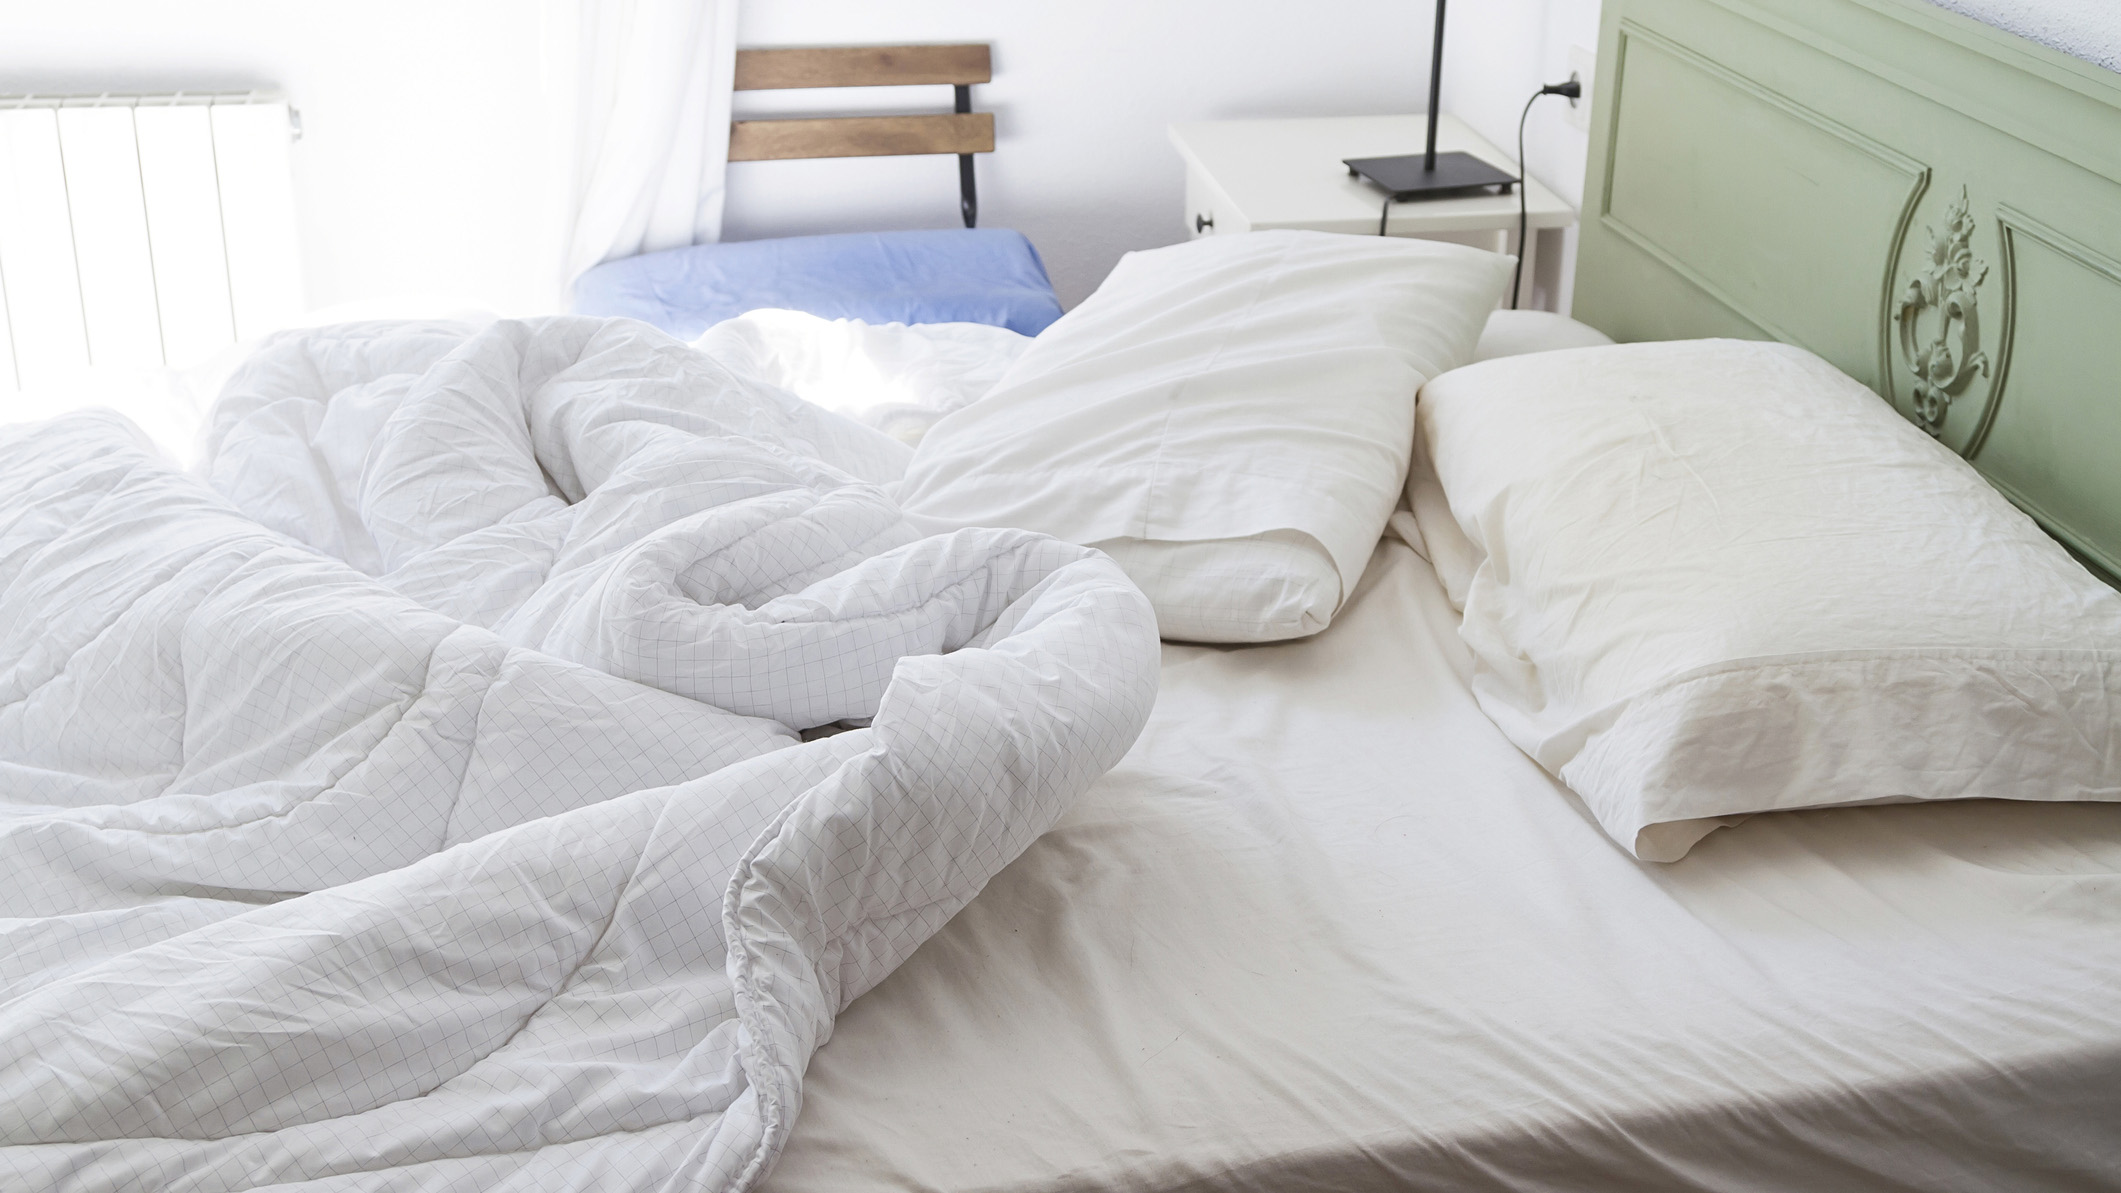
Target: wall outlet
[[1583, 67]]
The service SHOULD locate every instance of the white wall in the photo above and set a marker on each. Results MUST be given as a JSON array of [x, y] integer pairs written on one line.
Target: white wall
[[422, 166], [1497, 53], [425, 161], [1081, 94]]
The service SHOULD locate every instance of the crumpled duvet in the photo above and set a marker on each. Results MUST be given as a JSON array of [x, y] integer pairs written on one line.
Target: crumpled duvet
[[418, 802]]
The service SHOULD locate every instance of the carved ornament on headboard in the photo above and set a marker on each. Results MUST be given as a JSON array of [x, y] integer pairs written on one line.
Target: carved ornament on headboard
[[1940, 328]]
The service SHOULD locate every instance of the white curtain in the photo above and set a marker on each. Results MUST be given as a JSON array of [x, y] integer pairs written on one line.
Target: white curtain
[[640, 103]]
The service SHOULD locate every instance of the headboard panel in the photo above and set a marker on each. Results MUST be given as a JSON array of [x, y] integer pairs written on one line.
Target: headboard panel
[[1931, 204]]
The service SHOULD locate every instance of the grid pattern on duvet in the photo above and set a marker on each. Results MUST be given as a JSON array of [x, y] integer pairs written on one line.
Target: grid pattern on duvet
[[503, 975]]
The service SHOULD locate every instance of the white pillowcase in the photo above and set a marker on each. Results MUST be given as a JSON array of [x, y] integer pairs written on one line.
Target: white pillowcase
[[1713, 578], [1508, 333], [1515, 333], [1230, 418]]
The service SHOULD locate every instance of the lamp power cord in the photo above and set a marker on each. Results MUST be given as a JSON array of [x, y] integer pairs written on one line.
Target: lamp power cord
[[1573, 89]]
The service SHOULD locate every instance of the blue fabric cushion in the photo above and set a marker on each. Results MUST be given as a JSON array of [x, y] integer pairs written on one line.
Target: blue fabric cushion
[[952, 275]]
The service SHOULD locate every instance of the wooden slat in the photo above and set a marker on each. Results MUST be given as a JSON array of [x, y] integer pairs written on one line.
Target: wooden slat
[[861, 66], [861, 136]]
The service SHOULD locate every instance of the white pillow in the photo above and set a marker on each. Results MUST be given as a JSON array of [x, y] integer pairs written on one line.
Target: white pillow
[[1230, 418], [1717, 577], [1431, 532], [1515, 333]]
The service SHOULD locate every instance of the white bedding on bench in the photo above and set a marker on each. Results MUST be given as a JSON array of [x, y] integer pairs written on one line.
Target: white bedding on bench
[[424, 809]]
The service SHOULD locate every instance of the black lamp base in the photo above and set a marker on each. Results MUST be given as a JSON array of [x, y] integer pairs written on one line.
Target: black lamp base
[[1407, 177]]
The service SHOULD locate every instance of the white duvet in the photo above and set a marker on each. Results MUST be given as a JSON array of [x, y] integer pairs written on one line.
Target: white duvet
[[420, 803]]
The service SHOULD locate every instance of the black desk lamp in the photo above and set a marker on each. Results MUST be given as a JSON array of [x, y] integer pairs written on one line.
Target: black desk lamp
[[1432, 175]]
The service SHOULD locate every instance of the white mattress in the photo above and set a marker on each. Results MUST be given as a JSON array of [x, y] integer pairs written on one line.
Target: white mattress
[[1326, 929]]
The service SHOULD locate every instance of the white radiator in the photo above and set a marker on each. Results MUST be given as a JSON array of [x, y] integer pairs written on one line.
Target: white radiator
[[139, 231]]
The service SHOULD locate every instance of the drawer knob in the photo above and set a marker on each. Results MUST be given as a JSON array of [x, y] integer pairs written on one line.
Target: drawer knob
[[1202, 223]]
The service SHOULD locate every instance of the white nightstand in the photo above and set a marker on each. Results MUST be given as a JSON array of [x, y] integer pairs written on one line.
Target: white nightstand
[[1246, 175]]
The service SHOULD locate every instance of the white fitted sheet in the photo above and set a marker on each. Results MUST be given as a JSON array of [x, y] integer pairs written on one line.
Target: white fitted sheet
[[1325, 928]]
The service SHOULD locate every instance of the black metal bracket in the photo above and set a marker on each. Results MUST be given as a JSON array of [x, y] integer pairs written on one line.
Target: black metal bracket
[[967, 189], [968, 192]]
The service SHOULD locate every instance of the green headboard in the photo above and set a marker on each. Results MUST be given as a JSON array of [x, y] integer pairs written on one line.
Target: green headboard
[[1929, 203]]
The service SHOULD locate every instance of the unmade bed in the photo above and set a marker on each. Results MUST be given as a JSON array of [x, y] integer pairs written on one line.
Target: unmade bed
[[549, 754]]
